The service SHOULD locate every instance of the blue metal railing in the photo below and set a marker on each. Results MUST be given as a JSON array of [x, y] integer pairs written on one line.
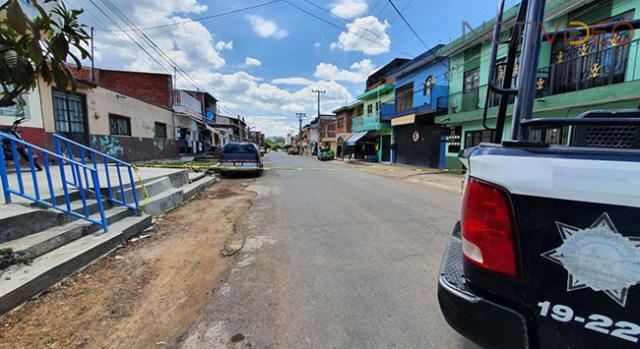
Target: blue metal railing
[[97, 159], [35, 195]]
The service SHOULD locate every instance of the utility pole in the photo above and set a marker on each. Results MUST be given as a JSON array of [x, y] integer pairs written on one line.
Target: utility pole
[[317, 146], [300, 116], [319, 92], [93, 68]]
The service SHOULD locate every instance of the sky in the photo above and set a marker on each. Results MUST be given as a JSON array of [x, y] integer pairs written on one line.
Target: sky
[[263, 63]]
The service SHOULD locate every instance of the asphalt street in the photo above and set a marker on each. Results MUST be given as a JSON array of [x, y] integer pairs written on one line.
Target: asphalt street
[[334, 259]]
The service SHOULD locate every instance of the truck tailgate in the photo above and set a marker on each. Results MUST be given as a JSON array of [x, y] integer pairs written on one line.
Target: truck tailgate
[[577, 216]]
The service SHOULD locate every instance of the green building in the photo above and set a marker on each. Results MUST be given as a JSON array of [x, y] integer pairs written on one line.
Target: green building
[[576, 74], [372, 134]]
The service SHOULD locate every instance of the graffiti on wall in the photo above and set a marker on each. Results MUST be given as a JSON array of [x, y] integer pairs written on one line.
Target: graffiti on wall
[[159, 143], [109, 145], [135, 148]]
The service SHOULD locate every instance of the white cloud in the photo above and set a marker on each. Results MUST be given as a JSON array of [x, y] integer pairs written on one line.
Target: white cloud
[[189, 45], [199, 52], [358, 72], [269, 107], [221, 45], [292, 81], [252, 61], [266, 28], [317, 44], [366, 34], [349, 8]]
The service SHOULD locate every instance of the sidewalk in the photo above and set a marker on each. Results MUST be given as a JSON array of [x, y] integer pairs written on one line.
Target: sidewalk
[[443, 180]]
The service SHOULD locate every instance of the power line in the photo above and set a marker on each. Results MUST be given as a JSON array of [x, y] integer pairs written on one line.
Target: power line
[[380, 12], [408, 24], [223, 14], [155, 47], [119, 38], [341, 28], [344, 19], [130, 37]]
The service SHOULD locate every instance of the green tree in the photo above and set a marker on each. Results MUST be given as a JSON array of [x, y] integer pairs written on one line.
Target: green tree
[[34, 42]]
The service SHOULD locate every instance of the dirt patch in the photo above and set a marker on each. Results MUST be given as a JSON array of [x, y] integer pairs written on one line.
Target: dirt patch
[[144, 295], [220, 194]]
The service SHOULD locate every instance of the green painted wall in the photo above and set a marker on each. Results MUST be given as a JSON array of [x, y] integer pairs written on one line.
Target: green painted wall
[[618, 96], [371, 122]]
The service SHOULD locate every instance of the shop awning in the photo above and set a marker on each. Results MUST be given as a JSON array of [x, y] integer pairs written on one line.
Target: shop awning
[[343, 137], [355, 138], [404, 120]]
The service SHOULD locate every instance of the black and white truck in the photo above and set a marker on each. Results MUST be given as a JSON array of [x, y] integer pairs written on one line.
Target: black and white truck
[[547, 251]]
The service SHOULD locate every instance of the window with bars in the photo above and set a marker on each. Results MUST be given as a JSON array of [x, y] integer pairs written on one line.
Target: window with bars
[[120, 125], [160, 130], [473, 138], [68, 112]]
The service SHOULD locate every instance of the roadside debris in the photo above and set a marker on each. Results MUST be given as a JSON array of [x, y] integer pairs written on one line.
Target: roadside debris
[[232, 248], [141, 237]]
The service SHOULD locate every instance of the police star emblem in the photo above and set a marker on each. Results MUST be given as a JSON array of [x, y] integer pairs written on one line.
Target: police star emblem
[[598, 257]]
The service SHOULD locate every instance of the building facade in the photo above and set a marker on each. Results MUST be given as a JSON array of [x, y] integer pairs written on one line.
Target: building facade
[[575, 74], [191, 131], [421, 93], [109, 114], [344, 116], [374, 139], [327, 132]]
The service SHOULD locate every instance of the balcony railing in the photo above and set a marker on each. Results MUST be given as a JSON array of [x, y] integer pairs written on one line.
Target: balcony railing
[[604, 67], [357, 123], [600, 68], [366, 123], [471, 99]]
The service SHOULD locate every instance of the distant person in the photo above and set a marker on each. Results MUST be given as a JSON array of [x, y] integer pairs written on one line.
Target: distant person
[[187, 143]]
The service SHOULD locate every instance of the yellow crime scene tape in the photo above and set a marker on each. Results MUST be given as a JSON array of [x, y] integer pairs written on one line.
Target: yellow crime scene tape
[[373, 169], [144, 187]]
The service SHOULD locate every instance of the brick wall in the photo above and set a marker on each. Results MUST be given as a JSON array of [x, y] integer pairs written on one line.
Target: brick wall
[[149, 87], [343, 123], [33, 135]]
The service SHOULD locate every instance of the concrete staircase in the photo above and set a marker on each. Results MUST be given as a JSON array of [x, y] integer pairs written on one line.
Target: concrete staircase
[[60, 245]]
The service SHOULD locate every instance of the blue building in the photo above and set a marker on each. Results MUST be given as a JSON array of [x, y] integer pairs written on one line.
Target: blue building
[[421, 94]]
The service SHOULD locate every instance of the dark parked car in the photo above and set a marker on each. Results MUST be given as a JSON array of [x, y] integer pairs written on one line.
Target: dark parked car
[[241, 157]]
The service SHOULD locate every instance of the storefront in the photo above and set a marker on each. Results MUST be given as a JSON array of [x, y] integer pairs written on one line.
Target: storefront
[[418, 141]]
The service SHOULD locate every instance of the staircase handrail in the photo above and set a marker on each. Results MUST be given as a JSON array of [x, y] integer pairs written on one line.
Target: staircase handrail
[[62, 161]]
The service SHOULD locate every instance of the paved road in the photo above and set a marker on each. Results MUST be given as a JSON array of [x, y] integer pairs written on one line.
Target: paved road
[[334, 259]]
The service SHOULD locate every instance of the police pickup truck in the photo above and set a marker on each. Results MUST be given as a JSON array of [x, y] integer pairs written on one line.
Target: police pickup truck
[[547, 251]]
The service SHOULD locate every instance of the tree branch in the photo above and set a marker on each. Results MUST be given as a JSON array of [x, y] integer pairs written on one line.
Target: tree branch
[[8, 99]]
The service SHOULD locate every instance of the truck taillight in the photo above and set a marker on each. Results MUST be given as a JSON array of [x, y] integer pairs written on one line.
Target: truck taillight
[[487, 228]]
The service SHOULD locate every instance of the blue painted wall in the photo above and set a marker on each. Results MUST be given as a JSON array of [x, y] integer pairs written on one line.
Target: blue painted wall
[[439, 69]]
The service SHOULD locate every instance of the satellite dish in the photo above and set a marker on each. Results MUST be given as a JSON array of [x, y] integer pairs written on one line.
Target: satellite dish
[[210, 116]]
